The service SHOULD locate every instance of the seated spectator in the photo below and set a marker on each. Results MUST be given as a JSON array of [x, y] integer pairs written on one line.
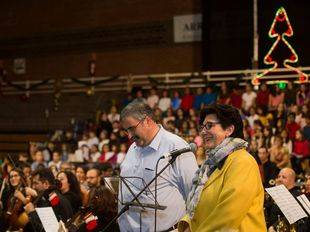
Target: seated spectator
[[276, 97], [248, 97], [287, 142], [80, 155], [139, 96], [122, 153], [23, 157], [83, 140], [279, 114], [38, 161], [179, 118], [198, 99], [164, 102], [302, 96], [301, 152], [193, 116], [236, 97], [264, 116], [290, 94], [209, 96], [184, 129], [111, 156], [301, 113], [168, 117], [262, 95], [176, 100], [92, 139], [114, 138], [113, 115], [94, 153], [291, 126], [187, 100], [56, 160], [106, 170], [278, 154], [104, 139], [105, 150], [267, 137], [224, 94], [104, 124], [252, 117], [152, 99]]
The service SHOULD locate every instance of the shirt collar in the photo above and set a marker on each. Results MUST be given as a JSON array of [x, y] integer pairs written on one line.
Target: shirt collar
[[156, 140]]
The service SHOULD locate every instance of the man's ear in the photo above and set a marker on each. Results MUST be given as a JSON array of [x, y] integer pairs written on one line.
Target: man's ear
[[229, 130]]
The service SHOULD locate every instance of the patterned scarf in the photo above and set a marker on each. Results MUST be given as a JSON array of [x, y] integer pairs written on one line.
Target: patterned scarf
[[228, 146]]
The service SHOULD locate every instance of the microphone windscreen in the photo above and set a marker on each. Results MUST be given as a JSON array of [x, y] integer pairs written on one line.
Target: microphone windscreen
[[193, 147]]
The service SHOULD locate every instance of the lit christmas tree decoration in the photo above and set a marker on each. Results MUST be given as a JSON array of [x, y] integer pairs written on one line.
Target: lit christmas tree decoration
[[280, 29]]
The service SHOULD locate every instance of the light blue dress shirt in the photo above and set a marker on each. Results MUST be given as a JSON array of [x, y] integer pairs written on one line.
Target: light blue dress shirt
[[173, 185]]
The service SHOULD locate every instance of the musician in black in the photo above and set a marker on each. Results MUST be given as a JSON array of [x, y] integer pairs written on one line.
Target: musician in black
[[287, 177], [269, 170], [47, 195]]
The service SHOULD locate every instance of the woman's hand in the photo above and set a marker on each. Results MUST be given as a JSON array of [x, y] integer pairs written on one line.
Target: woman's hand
[[18, 194], [31, 192]]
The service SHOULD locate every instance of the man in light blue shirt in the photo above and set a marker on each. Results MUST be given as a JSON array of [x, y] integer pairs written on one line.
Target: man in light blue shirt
[[151, 141]]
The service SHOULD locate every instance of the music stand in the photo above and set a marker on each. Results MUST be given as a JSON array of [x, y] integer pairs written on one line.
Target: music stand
[[127, 205]]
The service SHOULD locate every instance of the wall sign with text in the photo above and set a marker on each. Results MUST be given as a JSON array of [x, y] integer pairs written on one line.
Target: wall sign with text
[[187, 28]]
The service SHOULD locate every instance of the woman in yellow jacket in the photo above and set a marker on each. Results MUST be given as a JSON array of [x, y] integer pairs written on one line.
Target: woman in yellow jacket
[[227, 192]]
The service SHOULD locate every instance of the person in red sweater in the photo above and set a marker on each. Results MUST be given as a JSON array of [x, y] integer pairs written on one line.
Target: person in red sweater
[[301, 151], [187, 100], [236, 97], [262, 96], [291, 126]]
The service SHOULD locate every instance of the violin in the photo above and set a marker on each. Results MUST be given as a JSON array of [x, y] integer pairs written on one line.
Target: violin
[[15, 215], [78, 219]]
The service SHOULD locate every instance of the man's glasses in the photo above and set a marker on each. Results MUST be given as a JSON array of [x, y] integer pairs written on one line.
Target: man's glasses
[[208, 125], [132, 129]]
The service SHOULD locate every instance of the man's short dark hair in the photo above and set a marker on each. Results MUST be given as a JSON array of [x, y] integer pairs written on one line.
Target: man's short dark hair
[[227, 116], [45, 174]]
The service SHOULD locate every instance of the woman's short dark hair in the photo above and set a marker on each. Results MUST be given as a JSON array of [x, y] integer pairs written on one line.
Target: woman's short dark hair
[[227, 115]]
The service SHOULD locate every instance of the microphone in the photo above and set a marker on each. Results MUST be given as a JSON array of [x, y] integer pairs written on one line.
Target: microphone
[[175, 153]]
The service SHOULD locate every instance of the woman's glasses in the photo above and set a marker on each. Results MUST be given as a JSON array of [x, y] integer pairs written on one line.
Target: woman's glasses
[[208, 125]]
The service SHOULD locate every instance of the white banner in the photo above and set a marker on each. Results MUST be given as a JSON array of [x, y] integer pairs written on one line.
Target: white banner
[[187, 28]]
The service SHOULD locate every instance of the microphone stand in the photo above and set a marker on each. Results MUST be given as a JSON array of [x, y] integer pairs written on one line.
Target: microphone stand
[[126, 207]]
